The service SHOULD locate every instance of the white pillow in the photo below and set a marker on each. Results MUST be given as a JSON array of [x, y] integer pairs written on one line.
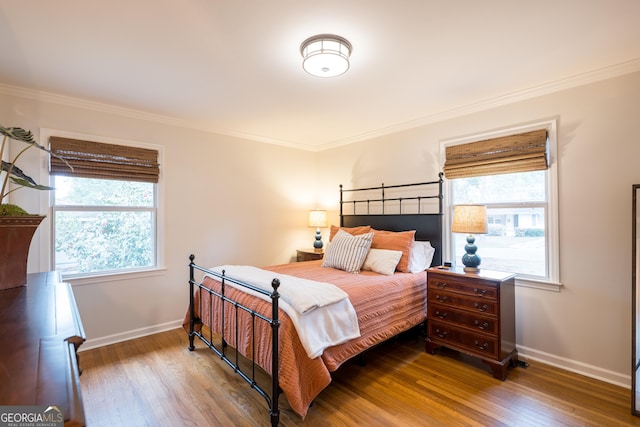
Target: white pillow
[[347, 252], [383, 261], [421, 256]]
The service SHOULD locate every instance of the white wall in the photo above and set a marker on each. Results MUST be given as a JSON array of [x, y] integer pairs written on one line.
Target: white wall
[[226, 201], [587, 326], [234, 201]]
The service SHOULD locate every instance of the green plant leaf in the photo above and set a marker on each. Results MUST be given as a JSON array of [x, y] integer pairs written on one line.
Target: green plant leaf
[[24, 183], [18, 134], [17, 172], [25, 136]]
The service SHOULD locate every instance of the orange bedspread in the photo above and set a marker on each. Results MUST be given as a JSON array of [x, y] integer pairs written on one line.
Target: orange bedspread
[[385, 306]]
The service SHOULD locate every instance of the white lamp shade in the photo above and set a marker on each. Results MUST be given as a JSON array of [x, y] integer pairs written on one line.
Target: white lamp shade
[[470, 219], [317, 218]]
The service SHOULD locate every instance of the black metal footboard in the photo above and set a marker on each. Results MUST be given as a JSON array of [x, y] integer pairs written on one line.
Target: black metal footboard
[[220, 350]]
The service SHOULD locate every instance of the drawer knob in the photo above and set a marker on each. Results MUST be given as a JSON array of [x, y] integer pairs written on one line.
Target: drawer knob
[[482, 347], [481, 307], [481, 325], [441, 315], [480, 292], [442, 298], [441, 334], [441, 285]]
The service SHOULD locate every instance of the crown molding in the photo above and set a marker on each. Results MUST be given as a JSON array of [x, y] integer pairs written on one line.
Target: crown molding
[[69, 101], [100, 107], [509, 98], [543, 89]]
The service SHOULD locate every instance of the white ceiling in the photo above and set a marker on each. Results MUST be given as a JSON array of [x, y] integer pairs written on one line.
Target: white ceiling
[[234, 67]]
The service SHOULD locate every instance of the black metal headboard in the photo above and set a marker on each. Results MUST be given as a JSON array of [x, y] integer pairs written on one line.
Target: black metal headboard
[[398, 208]]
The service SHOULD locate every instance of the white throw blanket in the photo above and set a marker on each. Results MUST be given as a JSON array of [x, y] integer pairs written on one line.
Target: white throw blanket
[[321, 312]]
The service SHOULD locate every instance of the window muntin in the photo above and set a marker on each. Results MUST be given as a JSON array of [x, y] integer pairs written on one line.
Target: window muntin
[[103, 225]]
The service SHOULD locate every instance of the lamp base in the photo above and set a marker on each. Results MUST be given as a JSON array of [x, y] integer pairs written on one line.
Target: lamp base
[[317, 244], [470, 259]]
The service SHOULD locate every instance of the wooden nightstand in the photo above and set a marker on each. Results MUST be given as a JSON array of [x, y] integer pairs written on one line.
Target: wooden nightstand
[[473, 314], [310, 254]]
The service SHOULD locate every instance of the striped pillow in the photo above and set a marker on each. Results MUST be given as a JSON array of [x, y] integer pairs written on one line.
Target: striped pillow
[[347, 252]]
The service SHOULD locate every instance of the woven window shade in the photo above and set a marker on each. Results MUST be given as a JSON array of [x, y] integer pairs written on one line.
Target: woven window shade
[[524, 152], [105, 161]]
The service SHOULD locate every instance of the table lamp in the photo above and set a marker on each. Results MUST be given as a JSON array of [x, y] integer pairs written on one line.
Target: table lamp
[[471, 219], [318, 218]]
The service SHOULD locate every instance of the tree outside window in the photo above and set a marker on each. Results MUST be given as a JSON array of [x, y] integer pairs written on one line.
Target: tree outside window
[[103, 225]]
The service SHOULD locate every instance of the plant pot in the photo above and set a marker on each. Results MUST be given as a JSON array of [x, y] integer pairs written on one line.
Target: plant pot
[[16, 233]]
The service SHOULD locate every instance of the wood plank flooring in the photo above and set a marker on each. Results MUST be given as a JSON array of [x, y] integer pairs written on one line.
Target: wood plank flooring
[[157, 381]]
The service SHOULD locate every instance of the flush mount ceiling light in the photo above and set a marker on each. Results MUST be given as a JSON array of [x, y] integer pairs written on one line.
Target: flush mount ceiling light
[[325, 55]]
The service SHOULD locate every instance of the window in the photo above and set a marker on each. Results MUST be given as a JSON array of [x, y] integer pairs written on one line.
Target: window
[[516, 235], [104, 209], [521, 209]]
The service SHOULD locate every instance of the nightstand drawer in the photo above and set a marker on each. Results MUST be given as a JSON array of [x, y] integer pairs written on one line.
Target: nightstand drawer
[[477, 344], [463, 319], [477, 305], [478, 288]]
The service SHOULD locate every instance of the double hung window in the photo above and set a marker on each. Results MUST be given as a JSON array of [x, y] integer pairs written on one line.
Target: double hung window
[[104, 207], [513, 176]]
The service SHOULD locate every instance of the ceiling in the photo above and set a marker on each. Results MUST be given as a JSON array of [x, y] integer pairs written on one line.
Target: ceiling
[[234, 67]]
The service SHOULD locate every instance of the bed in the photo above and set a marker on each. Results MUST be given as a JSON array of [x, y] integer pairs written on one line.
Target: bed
[[257, 314]]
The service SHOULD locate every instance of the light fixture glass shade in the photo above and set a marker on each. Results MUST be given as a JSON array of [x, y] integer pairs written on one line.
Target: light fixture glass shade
[[470, 219], [325, 55]]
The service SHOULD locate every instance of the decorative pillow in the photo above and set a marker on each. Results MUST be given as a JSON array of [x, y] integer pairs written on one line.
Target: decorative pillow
[[382, 261], [397, 241], [347, 252], [421, 256], [351, 230]]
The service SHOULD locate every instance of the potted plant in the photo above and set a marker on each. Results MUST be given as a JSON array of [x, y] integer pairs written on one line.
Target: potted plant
[[16, 225]]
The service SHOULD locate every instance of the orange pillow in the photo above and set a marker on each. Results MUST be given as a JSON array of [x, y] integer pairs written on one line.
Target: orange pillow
[[354, 231], [396, 241]]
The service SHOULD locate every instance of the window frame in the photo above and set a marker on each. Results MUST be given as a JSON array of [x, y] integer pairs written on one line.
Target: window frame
[[552, 281], [48, 249]]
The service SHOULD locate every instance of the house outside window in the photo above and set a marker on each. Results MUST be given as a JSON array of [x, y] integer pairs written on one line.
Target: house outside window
[[105, 210], [521, 204], [516, 238]]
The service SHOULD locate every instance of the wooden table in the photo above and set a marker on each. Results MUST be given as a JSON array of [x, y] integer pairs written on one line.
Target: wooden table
[[473, 313], [309, 254]]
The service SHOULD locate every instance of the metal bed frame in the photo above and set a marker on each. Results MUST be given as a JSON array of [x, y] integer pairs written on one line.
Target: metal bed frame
[[376, 213], [220, 350], [428, 226]]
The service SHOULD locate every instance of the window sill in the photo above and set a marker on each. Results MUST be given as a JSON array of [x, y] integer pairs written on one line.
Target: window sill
[[538, 284], [112, 277]]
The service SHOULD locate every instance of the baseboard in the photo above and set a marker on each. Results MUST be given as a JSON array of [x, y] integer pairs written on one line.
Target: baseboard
[[529, 354], [129, 335]]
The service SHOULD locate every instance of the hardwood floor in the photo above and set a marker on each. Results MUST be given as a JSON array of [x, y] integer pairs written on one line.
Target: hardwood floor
[[156, 381]]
